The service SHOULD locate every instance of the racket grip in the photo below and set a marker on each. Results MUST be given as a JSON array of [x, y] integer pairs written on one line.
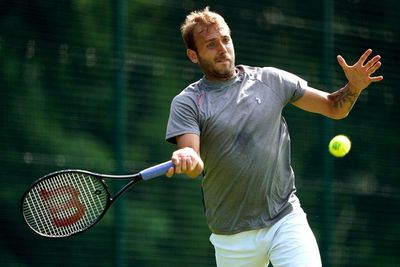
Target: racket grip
[[156, 170]]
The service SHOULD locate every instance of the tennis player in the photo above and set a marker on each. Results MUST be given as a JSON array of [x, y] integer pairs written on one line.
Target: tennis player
[[229, 127]]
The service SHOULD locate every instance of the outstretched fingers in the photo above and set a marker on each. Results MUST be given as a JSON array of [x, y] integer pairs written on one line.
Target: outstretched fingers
[[372, 66], [342, 62], [372, 62], [359, 74], [364, 57], [376, 78]]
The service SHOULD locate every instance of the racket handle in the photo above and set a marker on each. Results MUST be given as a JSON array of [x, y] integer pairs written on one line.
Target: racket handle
[[156, 171]]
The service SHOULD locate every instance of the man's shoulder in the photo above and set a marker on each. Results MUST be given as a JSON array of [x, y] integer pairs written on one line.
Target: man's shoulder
[[191, 89], [189, 94]]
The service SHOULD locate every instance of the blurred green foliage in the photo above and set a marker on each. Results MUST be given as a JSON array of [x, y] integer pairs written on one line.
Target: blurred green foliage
[[57, 111]]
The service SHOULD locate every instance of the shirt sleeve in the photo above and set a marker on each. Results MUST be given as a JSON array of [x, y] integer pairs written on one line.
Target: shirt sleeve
[[183, 118], [287, 85]]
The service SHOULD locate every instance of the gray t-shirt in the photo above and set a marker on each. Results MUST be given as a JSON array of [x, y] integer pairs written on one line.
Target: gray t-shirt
[[245, 145]]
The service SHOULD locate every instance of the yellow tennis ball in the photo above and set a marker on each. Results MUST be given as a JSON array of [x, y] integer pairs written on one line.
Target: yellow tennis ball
[[340, 145]]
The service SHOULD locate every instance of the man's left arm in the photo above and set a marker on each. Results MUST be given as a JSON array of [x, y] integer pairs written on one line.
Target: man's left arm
[[338, 104]]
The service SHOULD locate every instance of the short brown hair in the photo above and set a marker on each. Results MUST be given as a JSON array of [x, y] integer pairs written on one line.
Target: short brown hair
[[202, 17]]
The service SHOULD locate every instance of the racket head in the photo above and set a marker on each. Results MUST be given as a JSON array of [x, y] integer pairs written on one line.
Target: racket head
[[65, 203]]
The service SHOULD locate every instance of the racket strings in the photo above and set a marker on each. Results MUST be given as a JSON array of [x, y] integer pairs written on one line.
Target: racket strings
[[96, 205], [65, 204]]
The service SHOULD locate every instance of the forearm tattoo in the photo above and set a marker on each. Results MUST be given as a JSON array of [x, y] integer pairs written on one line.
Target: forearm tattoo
[[343, 96]]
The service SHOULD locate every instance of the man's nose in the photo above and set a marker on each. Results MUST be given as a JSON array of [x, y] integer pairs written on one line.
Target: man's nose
[[222, 48]]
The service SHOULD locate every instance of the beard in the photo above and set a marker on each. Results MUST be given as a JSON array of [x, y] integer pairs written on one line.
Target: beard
[[222, 68]]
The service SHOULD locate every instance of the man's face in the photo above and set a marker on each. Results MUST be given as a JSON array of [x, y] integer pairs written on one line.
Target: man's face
[[215, 52]]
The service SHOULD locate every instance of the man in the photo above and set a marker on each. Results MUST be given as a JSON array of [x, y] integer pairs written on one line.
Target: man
[[229, 127]]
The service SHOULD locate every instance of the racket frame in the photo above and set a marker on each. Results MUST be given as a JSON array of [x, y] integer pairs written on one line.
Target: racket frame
[[146, 174]]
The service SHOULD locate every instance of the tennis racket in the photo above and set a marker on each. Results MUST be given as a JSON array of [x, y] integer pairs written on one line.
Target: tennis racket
[[68, 202]]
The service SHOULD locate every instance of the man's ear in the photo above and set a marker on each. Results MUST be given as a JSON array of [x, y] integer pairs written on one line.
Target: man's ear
[[192, 55]]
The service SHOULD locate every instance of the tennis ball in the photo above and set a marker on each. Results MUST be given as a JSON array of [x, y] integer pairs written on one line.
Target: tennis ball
[[340, 145]]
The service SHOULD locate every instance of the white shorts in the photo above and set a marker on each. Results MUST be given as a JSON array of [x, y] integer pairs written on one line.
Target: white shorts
[[288, 243]]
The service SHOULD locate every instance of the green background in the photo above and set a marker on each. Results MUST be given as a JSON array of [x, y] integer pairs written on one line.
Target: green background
[[87, 84]]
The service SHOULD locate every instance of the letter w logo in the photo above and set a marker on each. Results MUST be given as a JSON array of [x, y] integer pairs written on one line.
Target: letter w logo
[[63, 205]]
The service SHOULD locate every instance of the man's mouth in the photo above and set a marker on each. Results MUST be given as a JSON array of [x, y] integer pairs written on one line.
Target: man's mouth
[[221, 60]]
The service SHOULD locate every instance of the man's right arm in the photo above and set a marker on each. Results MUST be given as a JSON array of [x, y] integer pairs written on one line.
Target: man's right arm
[[187, 158]]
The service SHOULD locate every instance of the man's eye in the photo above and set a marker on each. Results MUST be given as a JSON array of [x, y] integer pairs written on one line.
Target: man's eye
[[211, 45]]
